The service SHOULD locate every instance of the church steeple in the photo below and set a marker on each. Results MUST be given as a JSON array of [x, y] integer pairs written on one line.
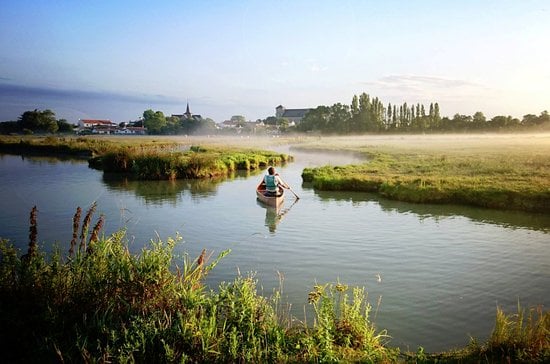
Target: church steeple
[[187, 112]]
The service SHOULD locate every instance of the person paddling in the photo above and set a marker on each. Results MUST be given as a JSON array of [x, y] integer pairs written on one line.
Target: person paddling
[[272, 182]]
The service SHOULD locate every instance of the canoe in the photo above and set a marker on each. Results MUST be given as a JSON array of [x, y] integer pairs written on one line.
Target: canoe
[[270, 200]]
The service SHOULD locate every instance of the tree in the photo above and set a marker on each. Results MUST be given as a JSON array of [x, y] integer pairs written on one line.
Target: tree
[[63, 126], [436, 118], [479, 121], [38, 121], [154, 121], [315, 120], [461, 121], [239, 119]]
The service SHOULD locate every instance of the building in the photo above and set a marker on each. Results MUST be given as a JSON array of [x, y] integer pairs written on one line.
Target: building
[[94, 126], [187, 115], [292, 115], [91, 123], [131, 130]]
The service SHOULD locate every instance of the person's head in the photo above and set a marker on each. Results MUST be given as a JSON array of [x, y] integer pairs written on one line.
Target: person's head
[[271, 170]]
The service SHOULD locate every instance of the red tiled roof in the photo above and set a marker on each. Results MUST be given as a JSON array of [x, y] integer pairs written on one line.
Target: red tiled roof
[[97, 122]]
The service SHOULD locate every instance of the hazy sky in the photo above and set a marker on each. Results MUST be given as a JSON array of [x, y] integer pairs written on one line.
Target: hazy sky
[[114, 59]]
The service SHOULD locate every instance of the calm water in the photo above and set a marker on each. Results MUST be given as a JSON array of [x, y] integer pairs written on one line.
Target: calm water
[[434, 274]]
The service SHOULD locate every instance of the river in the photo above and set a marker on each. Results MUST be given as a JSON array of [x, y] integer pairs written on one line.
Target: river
[[434, 273]]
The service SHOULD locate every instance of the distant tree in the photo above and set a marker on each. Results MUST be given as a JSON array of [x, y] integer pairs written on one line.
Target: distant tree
[[339, 119], [238, 119], [39, 121], [63, 126], [479, 121], [530, 119], [283, 124], [502, 122], [271, 120], [461, 122], [436, 118], [315, 120], [154, 121], [8, 127]]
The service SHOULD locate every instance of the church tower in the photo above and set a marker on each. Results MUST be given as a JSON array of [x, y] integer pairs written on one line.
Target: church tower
[[188, 114]]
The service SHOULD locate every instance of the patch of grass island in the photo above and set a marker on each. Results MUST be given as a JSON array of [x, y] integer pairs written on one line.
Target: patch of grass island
[[197, 162], [494, 173], [148, 158]]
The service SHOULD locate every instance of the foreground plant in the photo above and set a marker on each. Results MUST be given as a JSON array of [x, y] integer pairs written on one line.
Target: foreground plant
[[103, 304]]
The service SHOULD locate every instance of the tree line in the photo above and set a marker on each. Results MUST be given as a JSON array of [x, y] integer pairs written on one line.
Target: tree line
[[366, 114]]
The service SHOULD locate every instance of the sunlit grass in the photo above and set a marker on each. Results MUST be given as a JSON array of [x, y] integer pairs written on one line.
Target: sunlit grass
[[510, 173], [149, 158]]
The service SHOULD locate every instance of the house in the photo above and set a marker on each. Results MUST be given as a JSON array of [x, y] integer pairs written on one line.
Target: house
[[104, 129], [94, 126], [131, 130], [292, 115], [90, 123]]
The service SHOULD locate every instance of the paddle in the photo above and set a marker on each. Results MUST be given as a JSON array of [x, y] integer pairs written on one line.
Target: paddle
[[291, 190]]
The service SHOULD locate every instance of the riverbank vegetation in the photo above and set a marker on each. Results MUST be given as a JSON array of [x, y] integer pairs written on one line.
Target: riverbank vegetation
[[148, 158], [197, 162], [100, 303], [505, 172], [84, 147]]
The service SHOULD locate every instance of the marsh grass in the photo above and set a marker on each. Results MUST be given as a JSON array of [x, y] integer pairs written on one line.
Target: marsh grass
[[197, 162], [504, 176], [521, 337], [79, 146]]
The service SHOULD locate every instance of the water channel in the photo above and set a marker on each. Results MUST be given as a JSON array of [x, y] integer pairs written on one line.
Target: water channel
[[434, 273]]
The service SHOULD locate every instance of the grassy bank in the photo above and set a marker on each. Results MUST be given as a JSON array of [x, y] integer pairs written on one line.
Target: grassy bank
[[198, 162], [78, 146], [499, 172], [149, 158], [99, 303]]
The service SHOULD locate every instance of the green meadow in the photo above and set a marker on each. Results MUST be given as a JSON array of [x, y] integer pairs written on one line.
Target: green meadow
[[494, 171]]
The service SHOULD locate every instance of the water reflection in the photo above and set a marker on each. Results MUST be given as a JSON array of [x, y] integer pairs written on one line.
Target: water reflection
[[274, 215], [169, 191], [42, 160], [504, 218]]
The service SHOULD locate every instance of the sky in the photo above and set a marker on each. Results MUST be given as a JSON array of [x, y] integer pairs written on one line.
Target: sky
[[115, 59]]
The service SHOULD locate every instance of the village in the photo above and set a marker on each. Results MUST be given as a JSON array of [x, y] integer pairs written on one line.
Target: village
[[105, 126]]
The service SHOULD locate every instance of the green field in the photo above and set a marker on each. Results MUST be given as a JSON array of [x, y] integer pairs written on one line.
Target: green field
[[495, 171]]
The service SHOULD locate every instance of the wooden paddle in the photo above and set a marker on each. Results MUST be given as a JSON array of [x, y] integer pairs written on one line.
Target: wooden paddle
[[291, 190]]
